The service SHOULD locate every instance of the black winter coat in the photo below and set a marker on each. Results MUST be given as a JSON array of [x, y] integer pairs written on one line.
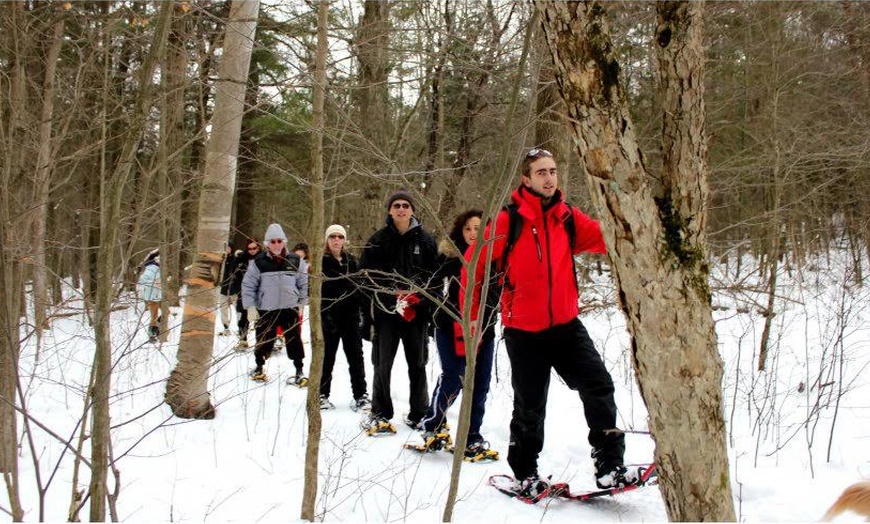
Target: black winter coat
[[239, 267], [340, 292], [412, 255], [227, 275]]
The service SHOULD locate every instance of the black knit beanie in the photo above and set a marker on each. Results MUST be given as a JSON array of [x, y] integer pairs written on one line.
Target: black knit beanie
[[402, 194]]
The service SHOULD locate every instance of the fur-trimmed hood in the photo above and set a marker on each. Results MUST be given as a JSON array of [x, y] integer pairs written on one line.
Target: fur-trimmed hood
[[448, 249]]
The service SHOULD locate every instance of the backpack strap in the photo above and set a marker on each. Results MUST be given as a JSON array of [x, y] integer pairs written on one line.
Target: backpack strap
[[572, 241], [515, 227], [570, 229]]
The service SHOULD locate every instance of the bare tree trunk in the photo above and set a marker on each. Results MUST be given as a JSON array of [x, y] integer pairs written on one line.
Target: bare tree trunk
[[312, 451], [187, 388], [656, 244], [13, 83], [773, 193], [171, 178], [42, 184], [372, 49], [435, 126], [110, 213]]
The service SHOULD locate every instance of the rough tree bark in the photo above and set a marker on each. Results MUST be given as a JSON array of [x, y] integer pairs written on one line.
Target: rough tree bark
[[655, 239], [312, 452], [187, 388], [11, 82]]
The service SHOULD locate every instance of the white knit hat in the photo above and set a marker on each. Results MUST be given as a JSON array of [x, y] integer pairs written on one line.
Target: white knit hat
[[334, 229]]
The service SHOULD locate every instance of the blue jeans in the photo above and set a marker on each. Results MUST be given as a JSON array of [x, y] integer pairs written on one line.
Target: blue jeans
[[450, 383]]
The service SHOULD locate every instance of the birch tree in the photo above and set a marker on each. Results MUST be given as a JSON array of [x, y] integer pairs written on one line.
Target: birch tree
[[655, 237], [187, 388]]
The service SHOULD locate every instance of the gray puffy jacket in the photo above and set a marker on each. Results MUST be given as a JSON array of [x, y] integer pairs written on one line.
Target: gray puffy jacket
[[273, 283]]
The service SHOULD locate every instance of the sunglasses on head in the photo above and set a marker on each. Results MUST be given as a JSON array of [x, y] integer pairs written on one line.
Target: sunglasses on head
[[401, 205], [536, 152], [276, 241], [336, 236]]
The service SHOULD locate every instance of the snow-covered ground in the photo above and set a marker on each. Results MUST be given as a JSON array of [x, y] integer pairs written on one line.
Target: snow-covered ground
[[247, 463]]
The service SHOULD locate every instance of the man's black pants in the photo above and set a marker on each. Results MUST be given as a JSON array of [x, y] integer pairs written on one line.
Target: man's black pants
[[389, 331], [568, 349]]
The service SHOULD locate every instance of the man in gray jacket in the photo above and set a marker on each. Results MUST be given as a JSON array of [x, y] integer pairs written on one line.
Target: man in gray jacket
[[275, 285]]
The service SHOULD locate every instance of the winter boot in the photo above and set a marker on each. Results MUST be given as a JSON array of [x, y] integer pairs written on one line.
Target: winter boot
[[362, 403], [258, 375], [325, 403], [479, 450], [610, 472], [298, 380], [534, 488], [436, 440], [411, 422], [376, 426]]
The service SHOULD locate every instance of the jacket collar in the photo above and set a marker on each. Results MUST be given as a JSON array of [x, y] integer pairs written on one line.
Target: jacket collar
[[414, 225], [529, 204]]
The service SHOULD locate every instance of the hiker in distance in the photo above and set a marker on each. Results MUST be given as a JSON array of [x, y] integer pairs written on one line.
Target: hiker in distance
[[275, 285]]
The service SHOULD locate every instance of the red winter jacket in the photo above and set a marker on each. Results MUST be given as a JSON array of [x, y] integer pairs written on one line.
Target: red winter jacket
[[539, 287]]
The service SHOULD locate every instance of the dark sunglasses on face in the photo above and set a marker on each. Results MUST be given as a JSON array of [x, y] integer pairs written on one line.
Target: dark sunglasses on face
[[336, 236], [252, 248], [276, 241], [537, 153], [401, 205]]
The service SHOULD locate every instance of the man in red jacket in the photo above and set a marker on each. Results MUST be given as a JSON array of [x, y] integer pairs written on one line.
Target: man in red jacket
[[541, 329]]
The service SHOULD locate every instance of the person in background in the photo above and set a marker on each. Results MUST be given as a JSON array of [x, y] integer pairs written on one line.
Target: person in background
[[275, 285], [302, 251], [398, 262], [227, 299], [451, 348], [242, 258], [542, 330], [340, 316], [150, 291]]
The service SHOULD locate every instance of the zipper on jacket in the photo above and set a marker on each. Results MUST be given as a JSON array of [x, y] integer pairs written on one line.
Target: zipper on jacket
[[538, 242], [549, 269]]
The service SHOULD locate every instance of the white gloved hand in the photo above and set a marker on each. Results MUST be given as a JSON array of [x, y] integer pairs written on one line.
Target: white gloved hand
[[253, 315], [401, 305]]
